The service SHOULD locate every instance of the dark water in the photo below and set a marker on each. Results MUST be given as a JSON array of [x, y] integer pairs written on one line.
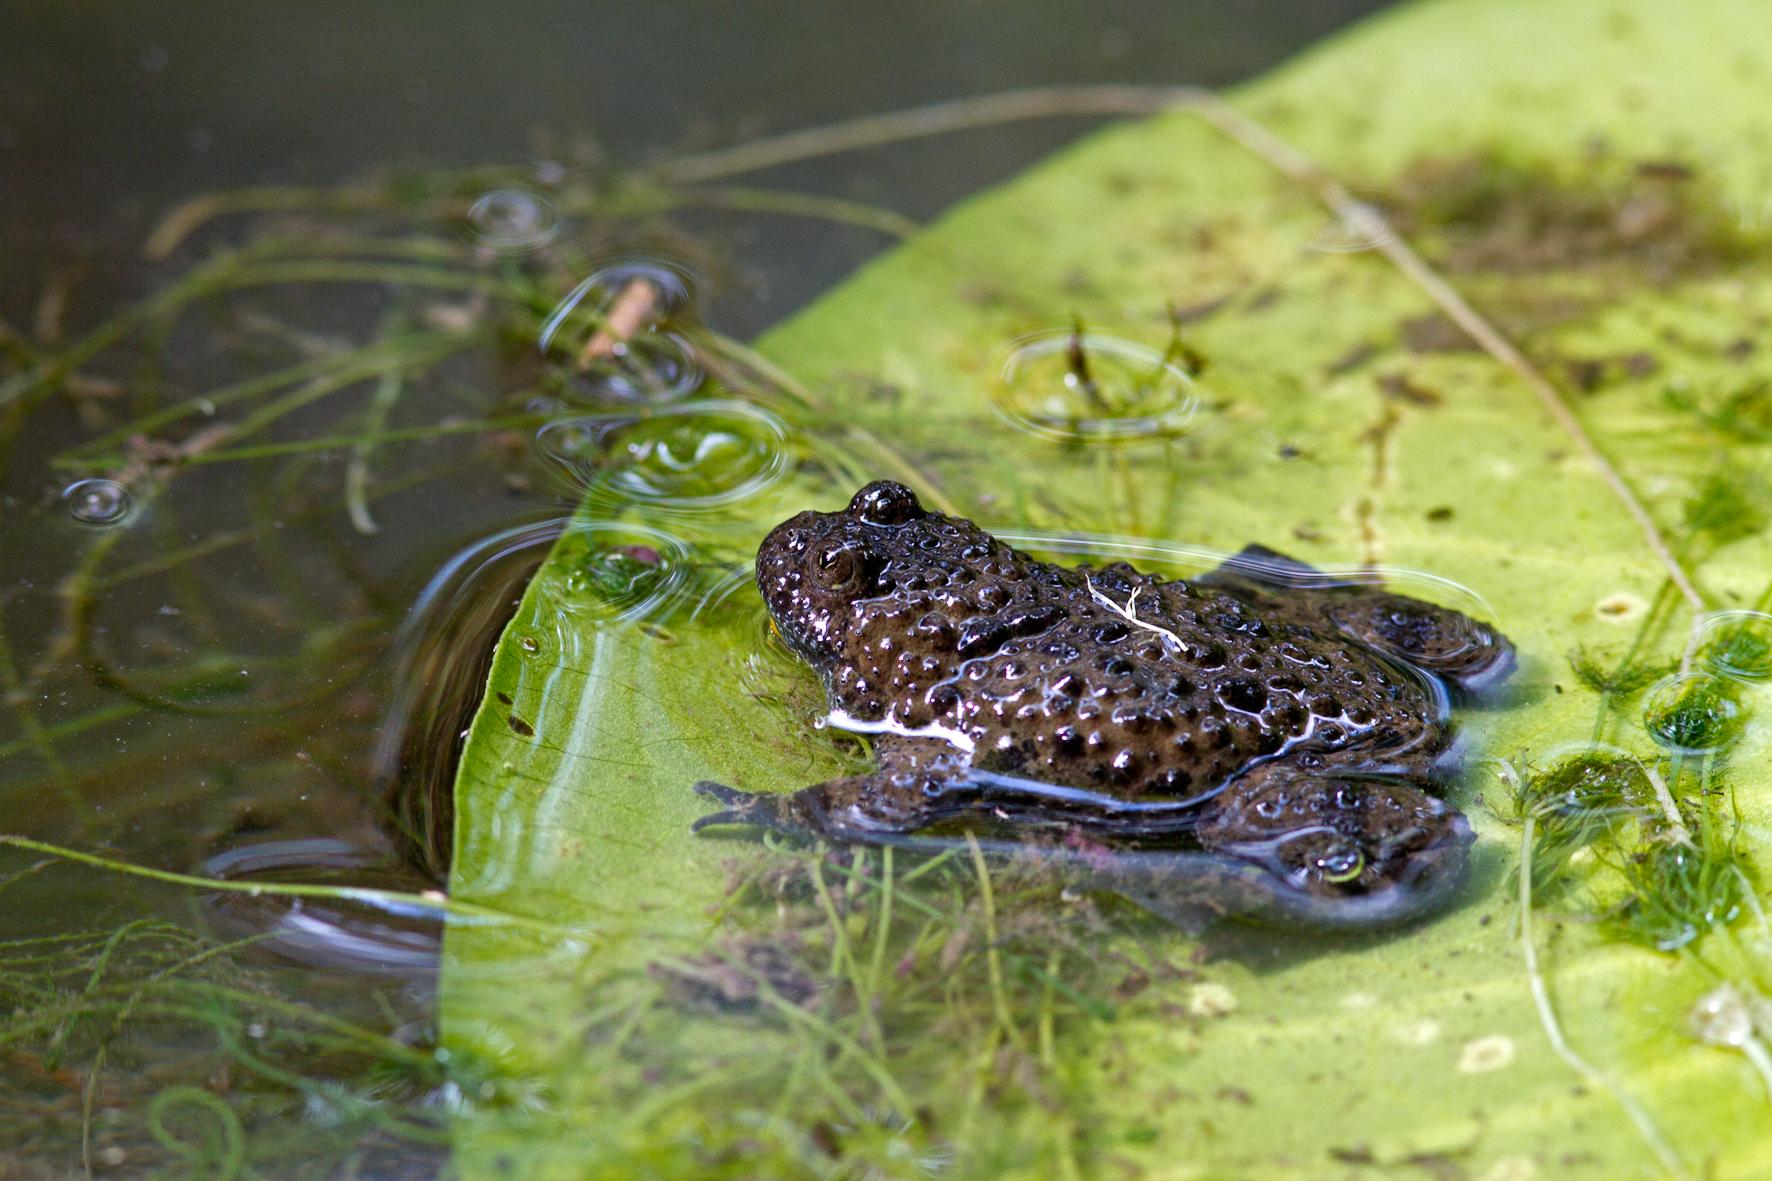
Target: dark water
[[200, 663]]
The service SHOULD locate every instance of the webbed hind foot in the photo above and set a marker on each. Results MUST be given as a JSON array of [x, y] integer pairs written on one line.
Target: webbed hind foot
[[856, 808], [776, 811]]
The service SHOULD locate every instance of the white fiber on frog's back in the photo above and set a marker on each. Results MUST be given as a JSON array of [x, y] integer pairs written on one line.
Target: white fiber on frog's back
[[891, 725]]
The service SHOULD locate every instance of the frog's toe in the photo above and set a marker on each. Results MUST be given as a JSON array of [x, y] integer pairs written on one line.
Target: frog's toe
[[741, 806], [722, 792], [774, 810]]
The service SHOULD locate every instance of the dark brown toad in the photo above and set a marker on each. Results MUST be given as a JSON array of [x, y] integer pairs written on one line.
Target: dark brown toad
[[1263, 711]]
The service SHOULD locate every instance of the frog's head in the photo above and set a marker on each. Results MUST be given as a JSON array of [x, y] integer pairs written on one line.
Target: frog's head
[[1336, 837], [813, 565]]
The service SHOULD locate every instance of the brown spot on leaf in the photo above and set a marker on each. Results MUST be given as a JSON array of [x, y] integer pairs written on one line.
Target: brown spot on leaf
[[1400, 387], [1352, 359], [1586, 373], [1665, 170], [1434, 333], [1188, 313]]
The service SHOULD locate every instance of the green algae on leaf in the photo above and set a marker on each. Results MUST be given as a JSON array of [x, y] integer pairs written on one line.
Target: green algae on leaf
[[748, 1009]]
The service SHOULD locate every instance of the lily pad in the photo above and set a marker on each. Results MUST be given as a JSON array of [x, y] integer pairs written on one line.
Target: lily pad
[[1587, 175]]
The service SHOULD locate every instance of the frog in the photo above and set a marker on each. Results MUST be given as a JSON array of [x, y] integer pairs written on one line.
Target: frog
[[1264, 711]]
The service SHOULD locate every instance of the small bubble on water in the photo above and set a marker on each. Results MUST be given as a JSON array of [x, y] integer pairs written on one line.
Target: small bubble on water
[[575, 443], [513, 219], [610, 331], [625, 571], [1738, 644], [706, 454], [96, 501], [616, 303], [1075, 386], [650, 367], [1722, 1017], [715, 454], [1693, 713]]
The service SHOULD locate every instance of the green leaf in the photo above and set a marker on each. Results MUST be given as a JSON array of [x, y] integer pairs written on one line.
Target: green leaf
[[1589, 175]]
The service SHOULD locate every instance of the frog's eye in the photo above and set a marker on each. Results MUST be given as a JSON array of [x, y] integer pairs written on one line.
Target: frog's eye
[[886, 503], [840, 567], [1341, 863]]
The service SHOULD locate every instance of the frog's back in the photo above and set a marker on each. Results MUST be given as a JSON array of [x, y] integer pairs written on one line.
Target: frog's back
[[1106, 679]]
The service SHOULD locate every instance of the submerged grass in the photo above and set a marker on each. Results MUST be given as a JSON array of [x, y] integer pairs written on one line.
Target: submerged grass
[[836, 977], [103, 1023]]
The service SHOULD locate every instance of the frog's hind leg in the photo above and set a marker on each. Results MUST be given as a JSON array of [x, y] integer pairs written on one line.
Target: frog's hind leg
[[1267, 570], [1465, 653], [1337, 832]]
